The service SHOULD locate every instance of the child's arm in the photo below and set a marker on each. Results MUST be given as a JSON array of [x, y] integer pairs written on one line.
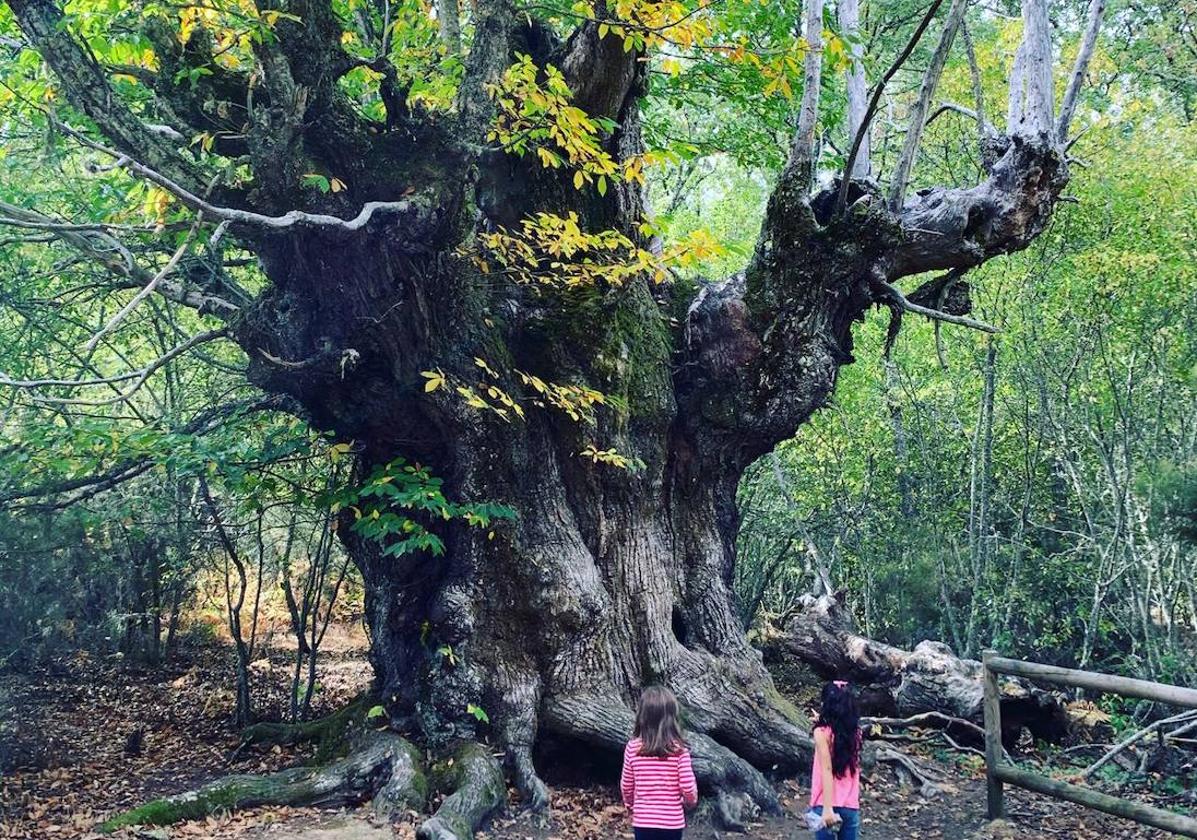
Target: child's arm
[[686, 782], [627, 781], [823, 761]]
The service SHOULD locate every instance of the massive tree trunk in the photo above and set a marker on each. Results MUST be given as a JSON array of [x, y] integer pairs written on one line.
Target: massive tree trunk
[[609, 578]]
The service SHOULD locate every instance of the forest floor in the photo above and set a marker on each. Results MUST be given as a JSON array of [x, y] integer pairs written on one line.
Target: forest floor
[[66, 763]]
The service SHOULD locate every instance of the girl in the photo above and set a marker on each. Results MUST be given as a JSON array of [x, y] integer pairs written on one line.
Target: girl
[[835, 775], [657, 778]]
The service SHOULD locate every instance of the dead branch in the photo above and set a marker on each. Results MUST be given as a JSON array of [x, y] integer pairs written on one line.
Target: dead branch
[[802, 153], [232, 214], [147, 289], [842, 198], [1084, 55], [139, 376], [914, 131], [896, 296], [1135, 737]]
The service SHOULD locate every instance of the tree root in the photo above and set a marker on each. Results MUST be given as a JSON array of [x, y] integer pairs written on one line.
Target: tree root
[[381, 761], [330, 733], [740, 791], [529, 784], [927, 780], [476, 779]]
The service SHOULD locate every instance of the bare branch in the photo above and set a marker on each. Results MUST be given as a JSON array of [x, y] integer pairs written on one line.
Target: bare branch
[[945, 107], [1017, 100], [232, 214], [1084, 55], [146, 290], [802, 151], [94, 242], [139, 376], [895, 296], [842, 198], [1122, 745], [918, 113], [974, 72], [849, 16]]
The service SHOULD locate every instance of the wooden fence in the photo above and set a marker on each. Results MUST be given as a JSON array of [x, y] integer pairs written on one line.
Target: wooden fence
[[998, 772]]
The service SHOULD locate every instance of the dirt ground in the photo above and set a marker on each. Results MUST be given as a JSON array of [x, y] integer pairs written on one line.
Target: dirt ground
[[69, 760]]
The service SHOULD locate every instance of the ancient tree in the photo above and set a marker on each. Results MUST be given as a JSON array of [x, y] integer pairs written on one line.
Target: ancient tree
[[418, 308]]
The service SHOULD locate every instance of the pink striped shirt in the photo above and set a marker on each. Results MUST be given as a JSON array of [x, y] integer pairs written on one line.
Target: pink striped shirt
[[657, 787]]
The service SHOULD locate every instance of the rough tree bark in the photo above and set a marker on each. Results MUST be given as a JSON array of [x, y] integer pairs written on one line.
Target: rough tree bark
[[608, 579]]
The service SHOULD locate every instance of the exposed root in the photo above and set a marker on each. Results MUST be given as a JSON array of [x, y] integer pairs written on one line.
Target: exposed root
[[927, 780], [330, 733], [476, 779], [739, 790], [406, 789], [529, 784], [348, 781]]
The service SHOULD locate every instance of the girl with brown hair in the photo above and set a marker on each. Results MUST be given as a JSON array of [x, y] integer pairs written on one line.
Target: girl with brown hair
[[658, 782]]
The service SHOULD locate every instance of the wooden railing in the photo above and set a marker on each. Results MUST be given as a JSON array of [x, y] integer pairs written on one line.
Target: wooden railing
[[998, 772]]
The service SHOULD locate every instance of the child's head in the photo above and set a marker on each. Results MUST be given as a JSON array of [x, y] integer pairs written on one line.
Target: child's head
[[839, 712], [656, 722]]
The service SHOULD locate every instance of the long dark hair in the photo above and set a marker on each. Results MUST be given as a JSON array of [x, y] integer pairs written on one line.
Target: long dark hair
[[657, 726], [840, 714]]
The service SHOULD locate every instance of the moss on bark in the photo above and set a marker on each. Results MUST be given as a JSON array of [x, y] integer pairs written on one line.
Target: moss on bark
[[382, 761], [479, 789], [329, 733]]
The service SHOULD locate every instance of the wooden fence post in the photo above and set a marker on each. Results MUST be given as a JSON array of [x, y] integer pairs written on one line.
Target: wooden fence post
[[993, 738]]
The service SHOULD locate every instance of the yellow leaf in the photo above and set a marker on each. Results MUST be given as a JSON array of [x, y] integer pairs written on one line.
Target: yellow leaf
[[436, 378]]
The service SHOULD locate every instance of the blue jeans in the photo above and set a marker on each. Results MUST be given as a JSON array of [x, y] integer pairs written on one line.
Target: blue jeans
[[848, 829]]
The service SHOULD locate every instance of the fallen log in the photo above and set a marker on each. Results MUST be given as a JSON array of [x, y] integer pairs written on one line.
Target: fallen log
[[903, 683]]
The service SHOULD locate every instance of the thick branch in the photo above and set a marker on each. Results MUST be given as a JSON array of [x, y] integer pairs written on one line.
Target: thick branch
[[929, 680], [841, 200], [1031, 82], [87, 87], [1084, 54], [448, 20], [488, 57], [802, 152], [849, 16], [918, 113], [954, 228]]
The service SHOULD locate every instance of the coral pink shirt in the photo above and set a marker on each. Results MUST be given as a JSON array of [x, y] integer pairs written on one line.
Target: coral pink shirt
[[656, 787], [847, 788]]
